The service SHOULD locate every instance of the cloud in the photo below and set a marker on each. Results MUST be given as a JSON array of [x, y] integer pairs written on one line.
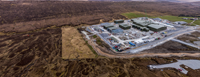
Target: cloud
[[170, 0], [188, 0]]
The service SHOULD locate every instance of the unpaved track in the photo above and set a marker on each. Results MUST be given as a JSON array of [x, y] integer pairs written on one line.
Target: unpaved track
[[189, 44], [115, 55], [39, 55]]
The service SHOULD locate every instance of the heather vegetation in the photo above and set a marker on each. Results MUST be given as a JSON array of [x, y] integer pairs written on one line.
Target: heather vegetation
[[32, 41], [135, 15], [26, 16]]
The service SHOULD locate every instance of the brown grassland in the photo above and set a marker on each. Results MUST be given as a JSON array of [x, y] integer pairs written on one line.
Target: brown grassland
[[190, 37], [32, 41], [26, 16]]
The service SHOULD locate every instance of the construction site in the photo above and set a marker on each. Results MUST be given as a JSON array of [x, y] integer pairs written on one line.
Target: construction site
[[135, 35]]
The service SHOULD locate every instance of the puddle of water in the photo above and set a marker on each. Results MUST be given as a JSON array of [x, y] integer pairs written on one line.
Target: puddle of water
[[193, 64]]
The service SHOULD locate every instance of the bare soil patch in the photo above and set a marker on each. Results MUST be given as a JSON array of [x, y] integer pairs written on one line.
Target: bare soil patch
[[190, 37], [26, 4], [172, 47], [73, 45]]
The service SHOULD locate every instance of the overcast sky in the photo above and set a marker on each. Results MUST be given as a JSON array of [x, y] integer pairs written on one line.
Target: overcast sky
[[170, 0], [189, 0], [132, 0]]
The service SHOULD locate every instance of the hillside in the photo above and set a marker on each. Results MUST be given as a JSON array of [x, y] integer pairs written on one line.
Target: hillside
[[177, 1], [26, 16], [31, 39], [195, 3]]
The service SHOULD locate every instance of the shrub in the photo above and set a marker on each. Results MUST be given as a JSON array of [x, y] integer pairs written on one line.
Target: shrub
[[94, 36]]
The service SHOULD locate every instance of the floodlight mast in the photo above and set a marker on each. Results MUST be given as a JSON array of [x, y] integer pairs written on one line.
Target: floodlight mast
[[146, 13]]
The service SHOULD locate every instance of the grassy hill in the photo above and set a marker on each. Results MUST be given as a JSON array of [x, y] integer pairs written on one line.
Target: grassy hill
[[175, 18], [197, 22], [168, 17]]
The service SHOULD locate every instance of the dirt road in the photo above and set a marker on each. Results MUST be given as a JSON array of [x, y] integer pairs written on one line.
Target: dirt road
[[115, 55]]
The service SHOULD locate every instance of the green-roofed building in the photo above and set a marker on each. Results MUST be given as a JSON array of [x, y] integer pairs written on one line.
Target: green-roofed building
[[144, 24], [124, 26], [141, 28], [119, 21], [112, 28], [144, 29], [107, 26], [141, 23], [156, 27], [137, 21], [115, 40], [97, 28], [133, 25], [136, 26], [133, 20]]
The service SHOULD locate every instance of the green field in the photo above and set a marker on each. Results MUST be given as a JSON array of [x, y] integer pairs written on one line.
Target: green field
[[168, 17], [134, 15], [174, 18], [197, 22]]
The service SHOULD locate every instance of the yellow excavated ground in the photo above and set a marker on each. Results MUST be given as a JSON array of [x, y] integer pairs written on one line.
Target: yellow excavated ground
[[73, 45]]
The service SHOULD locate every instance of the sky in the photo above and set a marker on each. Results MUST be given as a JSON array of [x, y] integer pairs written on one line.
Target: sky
[[189, 0], [170, 0], [134, 0]]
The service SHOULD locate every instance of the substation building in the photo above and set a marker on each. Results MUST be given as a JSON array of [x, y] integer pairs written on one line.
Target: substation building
[[144, 29], [146, 25], [124, 26], [136, 26], [180, 22], [156, 27], [111, 29], [141, 23], [115, 30], [140, 28], [114, 39], [157, 19], [119, 21], [97, 29], [107, 26]]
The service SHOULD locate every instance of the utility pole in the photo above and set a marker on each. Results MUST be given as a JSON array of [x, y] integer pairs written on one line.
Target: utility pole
[[146, 13]]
